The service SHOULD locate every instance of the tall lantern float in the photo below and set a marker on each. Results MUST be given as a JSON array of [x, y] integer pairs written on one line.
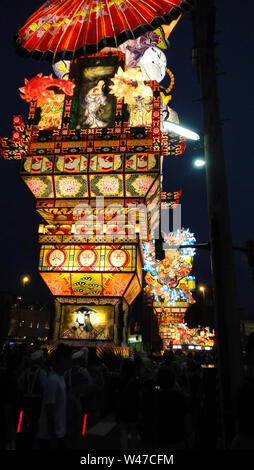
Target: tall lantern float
[[91, 153]]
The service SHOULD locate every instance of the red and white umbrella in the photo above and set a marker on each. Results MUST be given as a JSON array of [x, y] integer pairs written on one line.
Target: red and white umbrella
[[65, 29]]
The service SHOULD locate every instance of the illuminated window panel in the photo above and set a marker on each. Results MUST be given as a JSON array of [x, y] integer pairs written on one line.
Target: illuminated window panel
[[105, 146], [68, 202], [106, 163], [51, 112], [142, 145], [133, 290], [42, 148], [89, 300], [139, 185], [87, 322], [55, 258], [37, 165], [71, 186], [26, 165], [105, 258], [106, 185], [88, 258], [108, 203], [63, 215], [58, 283], [77, 147], [139, 270], [60, 239], [54, 216], [119, 222], [40, 186], [87, 284], [78, 204], [179, 303], [153, 195], [168, 314], [100, 163], [115, 284], [71, 164], [142, 162]]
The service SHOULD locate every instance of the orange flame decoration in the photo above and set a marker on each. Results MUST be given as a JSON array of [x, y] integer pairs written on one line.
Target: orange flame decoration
[[37, 89]]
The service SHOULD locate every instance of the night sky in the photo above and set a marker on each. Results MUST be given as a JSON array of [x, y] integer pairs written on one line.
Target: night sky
[[234, 32]]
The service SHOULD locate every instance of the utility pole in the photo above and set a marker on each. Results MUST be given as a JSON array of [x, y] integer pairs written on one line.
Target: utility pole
[[227, 319]]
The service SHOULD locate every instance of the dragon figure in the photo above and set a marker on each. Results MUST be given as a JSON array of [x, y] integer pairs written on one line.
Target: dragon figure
[[38, 88]]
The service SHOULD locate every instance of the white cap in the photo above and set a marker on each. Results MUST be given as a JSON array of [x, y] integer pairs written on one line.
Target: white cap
[[81, 354], [37, 355], [143, 355]]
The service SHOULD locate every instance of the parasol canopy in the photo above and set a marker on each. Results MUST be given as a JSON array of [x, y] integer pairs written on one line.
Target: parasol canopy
[[65, 29]]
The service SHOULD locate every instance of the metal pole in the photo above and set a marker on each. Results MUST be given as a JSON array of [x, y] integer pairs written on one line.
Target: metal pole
[[224, 289]]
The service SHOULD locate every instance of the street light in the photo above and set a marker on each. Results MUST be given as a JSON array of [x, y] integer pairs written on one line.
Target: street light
[[199, 163], [202, 289], [179, 130], [230, 366], [25, 280]]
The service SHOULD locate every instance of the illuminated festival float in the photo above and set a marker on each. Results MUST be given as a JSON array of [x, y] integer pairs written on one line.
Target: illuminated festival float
[[92, 153]]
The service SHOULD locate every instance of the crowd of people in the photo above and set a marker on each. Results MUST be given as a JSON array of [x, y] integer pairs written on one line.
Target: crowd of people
[[168, 401]]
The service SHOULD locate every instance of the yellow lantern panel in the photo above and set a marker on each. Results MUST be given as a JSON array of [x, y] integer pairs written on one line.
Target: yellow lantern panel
[[86, 322], [40, 186], [83, 186], [133, 290], [71, 186], [88, 258], [87, 284], [94, 163]]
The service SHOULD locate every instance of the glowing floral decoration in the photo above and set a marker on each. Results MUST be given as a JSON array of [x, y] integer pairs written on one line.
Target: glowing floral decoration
[[130, 86], [37, 186], [142, 184], [109, 186], [69, 186]]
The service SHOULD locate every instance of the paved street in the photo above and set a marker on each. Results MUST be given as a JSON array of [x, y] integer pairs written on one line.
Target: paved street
[[105, 434]]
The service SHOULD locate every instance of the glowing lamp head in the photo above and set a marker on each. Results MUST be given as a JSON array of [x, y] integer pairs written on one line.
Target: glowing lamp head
[[202, 288], [199, 162], [179, 130], [25, 280]]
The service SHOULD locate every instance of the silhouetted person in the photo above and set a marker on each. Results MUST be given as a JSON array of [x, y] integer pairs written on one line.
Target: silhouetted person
[[53, 418], [127, 402], [170, 410], [244, 439], [80, 394], [32, 382], [249, 369], [10, 397]]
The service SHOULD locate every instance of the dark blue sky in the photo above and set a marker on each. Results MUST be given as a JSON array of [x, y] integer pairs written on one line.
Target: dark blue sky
[[234, 32]]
